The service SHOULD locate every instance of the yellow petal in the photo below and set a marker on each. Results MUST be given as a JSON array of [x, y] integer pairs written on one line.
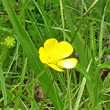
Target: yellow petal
[[64, 50], [55, 67], [50, 47], [43, 55], [67, 63]]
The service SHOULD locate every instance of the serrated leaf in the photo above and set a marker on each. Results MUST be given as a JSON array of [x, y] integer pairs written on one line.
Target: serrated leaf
[[92, 41]]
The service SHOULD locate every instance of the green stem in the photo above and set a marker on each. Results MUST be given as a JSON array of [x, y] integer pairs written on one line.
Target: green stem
[[62, 18], [69, 90], [32, 97], [25, 88]]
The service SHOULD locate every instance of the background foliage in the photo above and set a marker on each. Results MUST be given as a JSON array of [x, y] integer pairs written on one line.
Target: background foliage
[[25, 83]]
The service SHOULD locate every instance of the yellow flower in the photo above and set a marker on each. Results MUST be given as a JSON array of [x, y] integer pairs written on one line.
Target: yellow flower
[[54, 53], [9, 41]]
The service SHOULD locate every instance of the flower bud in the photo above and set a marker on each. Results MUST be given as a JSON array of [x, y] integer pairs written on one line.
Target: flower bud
[[9, 42]]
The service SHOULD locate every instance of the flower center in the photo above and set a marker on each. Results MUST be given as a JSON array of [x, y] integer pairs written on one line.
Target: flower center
[[52, 61]]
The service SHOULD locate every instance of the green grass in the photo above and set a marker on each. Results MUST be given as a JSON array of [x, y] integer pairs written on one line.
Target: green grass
[[85, 25]]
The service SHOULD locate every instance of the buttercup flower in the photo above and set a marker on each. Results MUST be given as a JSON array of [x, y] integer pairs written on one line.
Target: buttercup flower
[[54, 53], [9, 41]]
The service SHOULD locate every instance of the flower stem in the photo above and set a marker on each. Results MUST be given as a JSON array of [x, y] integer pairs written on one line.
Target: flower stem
[[69, 89]]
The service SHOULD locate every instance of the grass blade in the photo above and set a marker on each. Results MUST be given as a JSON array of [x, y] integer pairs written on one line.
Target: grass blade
[[101, 31], [20, 86], [2, 80], [80, 94]]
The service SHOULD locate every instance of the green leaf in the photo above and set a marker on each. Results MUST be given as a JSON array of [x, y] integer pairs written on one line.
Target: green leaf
[[32, 54], [104, 65], [2, 81]]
